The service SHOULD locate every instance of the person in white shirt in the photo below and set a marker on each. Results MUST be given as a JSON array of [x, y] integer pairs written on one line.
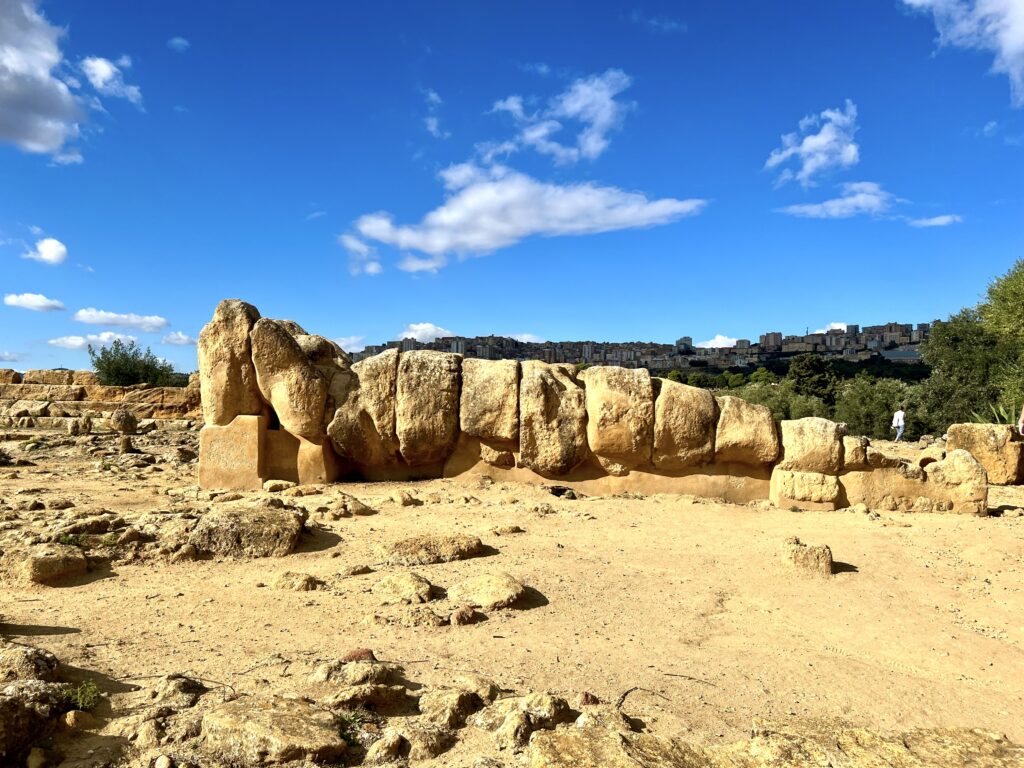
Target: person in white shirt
[[899, 420]]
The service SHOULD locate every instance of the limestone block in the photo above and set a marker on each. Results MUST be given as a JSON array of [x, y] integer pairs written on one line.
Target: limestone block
[[85, 377], [292, 385], [28, 408], [811, 445], [9, 376], [855, 452], [620, 415], [552, 419], [684, 426], [805, 490], [231, 457], [489, 405], [746, 433], [427, 406], [963, 479], [363, 427], [48, 377], [297, 460], [816, 560], [227, 378], [996, 446]]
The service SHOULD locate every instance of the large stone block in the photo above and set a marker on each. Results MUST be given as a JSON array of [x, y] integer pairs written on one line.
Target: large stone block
[[9, 376], [746, 433], [811, 445], [962, 478], [489, 406], [287, 457], [620, 416], [552, 419], [292, 385], [231, 457], [684, 426], [363, 427], [996, 446], [804, 490], [227, 377], [855, 452], [85, 377], [58, 376], [427, 406]]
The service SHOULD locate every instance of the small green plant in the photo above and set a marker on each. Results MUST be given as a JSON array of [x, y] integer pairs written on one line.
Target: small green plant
[[71, 539], [84, 696], [999, 414], [351, 721], [109, 540]]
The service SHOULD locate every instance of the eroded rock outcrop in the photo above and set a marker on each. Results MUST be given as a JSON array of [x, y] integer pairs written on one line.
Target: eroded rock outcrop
[[227, 377], [996, 446]]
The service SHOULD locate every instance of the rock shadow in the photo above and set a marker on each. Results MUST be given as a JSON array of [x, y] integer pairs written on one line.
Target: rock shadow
[[316, 540], [532, 598], [35, 630], [840, 567]]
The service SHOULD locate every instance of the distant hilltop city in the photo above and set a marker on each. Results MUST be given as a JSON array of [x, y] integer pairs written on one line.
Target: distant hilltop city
[[897, 342]]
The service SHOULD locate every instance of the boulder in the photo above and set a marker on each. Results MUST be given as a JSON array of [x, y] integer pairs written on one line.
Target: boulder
[[684, 426], [124, 421], [489, 405], [56, 376], [427, 406], [28, 713], [806, 490], [816, 560], [54, 563], [256, 730], [292, 385], [247, 531], [597, 747], [963, 479], [855, 452], [488, 591], [23, 662], [227, 378], [620, 415], [30, 408], [363, 428], [997, 446], [448, 708], [811, 445], [552, 419], [746, 433], [9, 376], [404, 587], [432, 548]]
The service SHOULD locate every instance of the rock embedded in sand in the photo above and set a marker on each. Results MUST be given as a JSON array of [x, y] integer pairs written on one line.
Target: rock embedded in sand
[[297, 582], [816, 560], [404, 587], [488, 591], [54, 563], [247, 531], [432, 548]]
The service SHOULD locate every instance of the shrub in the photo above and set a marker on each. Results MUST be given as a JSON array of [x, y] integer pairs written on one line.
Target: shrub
[[867, 405], [84, 696], [124, 364]]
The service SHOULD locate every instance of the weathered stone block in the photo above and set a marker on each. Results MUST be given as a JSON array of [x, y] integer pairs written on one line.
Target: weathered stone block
[[489, 405], [684, 426], [805, 490], [996, 446], [552, 419], [811, 445], [620, 415], [427, 407], [232, 456], [746, 433]]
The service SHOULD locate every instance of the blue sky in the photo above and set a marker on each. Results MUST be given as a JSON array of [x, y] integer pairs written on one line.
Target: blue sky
[[572, 170]]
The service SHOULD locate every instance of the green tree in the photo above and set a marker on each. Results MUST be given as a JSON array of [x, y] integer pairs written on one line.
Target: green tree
[[674, 376], [763, 376], [735, 380], [123, 364], [700, 379], [867, 404], [813, 375], [782, 400]]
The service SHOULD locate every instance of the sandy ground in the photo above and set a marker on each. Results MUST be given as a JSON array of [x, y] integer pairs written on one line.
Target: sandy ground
[[923, 625]]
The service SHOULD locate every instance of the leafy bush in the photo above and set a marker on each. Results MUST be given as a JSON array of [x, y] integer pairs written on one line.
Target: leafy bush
[[124, 364], [783, 400], [84, 696], [866, 405], [813, 375]]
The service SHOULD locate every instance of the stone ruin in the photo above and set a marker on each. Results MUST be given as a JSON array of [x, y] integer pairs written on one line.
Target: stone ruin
[[283, 404]]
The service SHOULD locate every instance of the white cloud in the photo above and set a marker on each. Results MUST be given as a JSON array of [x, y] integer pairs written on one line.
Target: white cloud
[[590, 101], [936, 221], [424, 332], [832, 327], [362, 258], [529, 338], [35, 230], [34, 301], [38, 112], [660, 24], [49, 250], [536, 68], [996, 26], [432, 121], [148, 323], [178, 339], [10, 357], [179, 44], [315, 215], [831, 147], [858, 197], [718, 340], [95, 339], [496, 207], [71, 157], [351, 343], [107, 77]]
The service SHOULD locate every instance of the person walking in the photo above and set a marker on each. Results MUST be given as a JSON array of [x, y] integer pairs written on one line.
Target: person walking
[[899, 421]]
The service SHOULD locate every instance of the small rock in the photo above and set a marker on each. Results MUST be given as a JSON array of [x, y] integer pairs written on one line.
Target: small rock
[[276, 486], [125, 446], [186, 554], [76, 719], [163, 761], [432, 548], [488, 591], [449, 708], [355, 570], [297, 582], [359, 654], [124, 421], [507, 530], [464, 615], [816, 559], [54, 563], [60, 503], [404, 587], [387, 749]]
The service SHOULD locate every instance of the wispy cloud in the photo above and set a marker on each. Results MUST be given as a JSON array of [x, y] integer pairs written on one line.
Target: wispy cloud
[[37, 302], [828, 148], [49, 250], [315, 215], [658, 24], [857, 198], [936, 221], [179, 44], [718, 340], [495, 207], [424, 332], [10, 357], [148, 323], [178, 339], [107, 77], [362, 258], [95, 339], [530, 338], [590, 101], [996, 26], [432, 122], [351, 343]]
